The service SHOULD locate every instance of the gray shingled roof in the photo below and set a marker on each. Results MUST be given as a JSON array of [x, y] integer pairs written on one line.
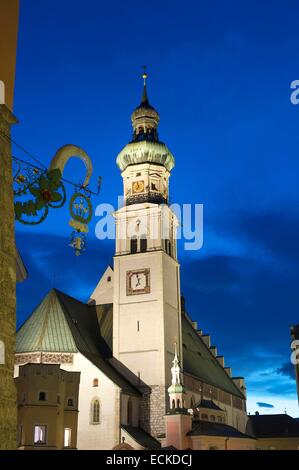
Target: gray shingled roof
[[200, 362], [207, 428], [142, 437], [278, 425]]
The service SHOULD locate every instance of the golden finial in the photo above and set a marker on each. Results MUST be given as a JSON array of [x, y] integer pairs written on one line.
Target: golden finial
[[144, 75]]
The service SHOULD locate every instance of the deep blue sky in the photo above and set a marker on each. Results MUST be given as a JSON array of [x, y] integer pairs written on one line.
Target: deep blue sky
[[220, 76]]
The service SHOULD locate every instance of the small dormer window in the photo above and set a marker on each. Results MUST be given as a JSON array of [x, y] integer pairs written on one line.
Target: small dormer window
[[109, 279]]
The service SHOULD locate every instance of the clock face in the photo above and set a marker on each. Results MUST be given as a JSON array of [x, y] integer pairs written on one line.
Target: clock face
[[138, 282], [138, 187]]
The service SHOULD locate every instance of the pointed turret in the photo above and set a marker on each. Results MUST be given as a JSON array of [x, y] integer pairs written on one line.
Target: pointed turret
[[176, 390], [145, 118]]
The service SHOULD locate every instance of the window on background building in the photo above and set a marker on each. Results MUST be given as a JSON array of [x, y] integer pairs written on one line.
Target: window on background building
[[67, 437], [143, 243], [133, 242], [40, 434], [213, 448], [70, 402], [212, 418], [130, 411], [95, 382], [204, 417], [2, 353], [95, 411], [58, 399], [192, 402], [42, 396], [219, 419], [109, 279]]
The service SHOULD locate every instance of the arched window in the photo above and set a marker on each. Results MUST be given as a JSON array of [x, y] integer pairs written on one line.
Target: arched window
[[95, 411], [133, 247], [173, 403], [143, 243], [130, 411], [178, 404], [192, 402], [95, 382]]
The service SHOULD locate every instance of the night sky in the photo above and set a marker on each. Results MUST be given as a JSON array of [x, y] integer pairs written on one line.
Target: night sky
[[219, 75]]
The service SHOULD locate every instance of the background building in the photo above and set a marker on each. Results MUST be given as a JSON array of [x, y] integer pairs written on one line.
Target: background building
[[47, 407]]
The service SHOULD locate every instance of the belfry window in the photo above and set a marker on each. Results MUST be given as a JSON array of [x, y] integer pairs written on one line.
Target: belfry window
[[95, 411], [133, 242], [143, 243], [167, 246]]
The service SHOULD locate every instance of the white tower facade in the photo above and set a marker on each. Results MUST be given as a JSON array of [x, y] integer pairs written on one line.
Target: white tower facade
[[146, 302]]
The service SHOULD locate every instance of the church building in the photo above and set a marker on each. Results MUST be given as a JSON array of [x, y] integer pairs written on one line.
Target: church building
[[147, 377]]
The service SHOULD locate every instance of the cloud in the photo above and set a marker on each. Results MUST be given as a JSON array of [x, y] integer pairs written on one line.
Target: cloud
[[264, 405], [287, 370]]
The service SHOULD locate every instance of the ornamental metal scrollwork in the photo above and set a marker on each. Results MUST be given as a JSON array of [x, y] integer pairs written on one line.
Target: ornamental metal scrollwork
[[36, 190]]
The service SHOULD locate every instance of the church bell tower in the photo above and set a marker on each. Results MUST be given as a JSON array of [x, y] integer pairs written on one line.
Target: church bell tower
[[146, 303]]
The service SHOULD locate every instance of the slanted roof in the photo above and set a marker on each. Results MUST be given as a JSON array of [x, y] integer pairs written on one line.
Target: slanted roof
[[46, 329], [207, 428], [142, 437], [63, 324], [105, 319], [208, 404], [201, 363], [278, 425]]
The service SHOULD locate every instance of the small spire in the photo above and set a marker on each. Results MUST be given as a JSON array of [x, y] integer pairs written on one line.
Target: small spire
[[175, 361], [175, 370]]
